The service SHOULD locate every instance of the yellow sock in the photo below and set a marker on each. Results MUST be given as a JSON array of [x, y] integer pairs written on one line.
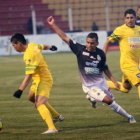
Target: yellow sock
[[111, 85], [139, 91], [54, 113], [45, 114]]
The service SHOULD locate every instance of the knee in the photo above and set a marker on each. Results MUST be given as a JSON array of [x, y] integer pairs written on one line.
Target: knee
[[107, 100], [37, 104], [31, 98]]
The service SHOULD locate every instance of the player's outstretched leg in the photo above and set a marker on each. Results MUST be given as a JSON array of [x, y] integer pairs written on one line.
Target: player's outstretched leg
[[45, 114], [118, 109], [56, 116]]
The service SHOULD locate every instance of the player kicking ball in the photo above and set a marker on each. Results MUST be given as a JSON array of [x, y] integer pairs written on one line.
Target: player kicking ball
[[92, 63], [37, 70]]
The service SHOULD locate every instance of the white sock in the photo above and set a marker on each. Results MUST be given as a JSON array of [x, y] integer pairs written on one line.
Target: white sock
[[118, 109]]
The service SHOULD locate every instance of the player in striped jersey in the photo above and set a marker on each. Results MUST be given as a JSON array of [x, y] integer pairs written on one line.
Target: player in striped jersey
[[37, 69]]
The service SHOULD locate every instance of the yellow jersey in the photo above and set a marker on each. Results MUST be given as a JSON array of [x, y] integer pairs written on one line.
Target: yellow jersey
[[36, 63], [129, 42]]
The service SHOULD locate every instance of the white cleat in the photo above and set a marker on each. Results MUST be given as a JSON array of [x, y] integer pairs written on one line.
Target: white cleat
[[132, 120], [50, 131], [60, 119]]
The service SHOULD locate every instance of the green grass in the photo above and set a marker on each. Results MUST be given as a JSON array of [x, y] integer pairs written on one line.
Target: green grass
[[21, 121]]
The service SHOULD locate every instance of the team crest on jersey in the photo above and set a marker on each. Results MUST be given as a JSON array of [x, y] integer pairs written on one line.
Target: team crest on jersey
[[29, 60], [98, 57], [86, 53], [138, 75]]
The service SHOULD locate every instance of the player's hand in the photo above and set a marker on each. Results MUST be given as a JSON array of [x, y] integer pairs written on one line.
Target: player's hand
[[53, 48], [18, 93], [50, 20], [117, 85]]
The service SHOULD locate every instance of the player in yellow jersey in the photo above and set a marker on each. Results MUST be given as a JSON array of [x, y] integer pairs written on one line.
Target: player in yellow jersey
[[37, 69], [128, 36]]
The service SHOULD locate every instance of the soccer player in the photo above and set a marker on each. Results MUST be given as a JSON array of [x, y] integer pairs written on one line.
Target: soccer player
[[128, 36], [92, 64], [37, 69]]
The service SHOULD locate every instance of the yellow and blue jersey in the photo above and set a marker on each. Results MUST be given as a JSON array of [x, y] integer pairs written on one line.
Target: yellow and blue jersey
[[129, 42], [36, 63]]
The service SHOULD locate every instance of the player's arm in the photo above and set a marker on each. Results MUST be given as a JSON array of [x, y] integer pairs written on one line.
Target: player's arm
[[48, 47], [24, 84], [110, 76], [106, 45], [62, 35]]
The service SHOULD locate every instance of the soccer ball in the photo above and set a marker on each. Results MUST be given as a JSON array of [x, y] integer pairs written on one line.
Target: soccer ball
[[0, 124]]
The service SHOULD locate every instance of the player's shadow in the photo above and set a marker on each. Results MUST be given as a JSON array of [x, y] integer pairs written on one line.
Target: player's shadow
[[89, 127]]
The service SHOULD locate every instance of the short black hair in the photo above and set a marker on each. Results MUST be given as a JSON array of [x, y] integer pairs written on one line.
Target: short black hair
[[18, 37], [93, 35], [130, 11]]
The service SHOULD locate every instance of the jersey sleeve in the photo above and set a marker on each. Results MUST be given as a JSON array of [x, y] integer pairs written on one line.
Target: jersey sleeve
[[75, 47], [104, 64], [32, 59], [40, 47], [116, 35]]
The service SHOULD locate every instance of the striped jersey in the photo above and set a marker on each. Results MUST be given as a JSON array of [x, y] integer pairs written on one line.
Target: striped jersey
[[36, 63]]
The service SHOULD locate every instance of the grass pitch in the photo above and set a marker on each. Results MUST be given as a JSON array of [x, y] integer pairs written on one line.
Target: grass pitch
[[21, 121]]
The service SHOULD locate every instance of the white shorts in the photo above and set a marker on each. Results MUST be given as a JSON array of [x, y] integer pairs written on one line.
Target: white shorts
[[98, 92]]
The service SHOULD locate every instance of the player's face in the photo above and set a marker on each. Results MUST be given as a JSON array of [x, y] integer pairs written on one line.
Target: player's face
[[130, 20], [18, 46], [91, 44]]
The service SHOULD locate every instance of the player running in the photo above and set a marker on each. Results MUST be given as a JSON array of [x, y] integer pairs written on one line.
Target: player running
[[37, 69], [128, 36], [92, 64]]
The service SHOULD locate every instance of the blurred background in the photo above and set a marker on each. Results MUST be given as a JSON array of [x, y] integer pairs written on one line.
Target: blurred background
[[29, 16]]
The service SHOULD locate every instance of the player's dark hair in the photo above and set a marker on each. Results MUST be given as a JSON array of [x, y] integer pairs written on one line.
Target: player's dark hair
[[93, 35], [130, 11], [18, 37]]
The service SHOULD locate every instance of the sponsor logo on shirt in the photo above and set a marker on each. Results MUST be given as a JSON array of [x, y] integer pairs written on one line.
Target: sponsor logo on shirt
[[133, 39], [86, 53], [134, 46], [93, 63], [89, 70], [92, 57]]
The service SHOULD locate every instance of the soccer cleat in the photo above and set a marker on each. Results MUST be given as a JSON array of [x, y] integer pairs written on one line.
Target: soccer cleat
[[94, 104], [50, 131], [60, 119], [132, 120]]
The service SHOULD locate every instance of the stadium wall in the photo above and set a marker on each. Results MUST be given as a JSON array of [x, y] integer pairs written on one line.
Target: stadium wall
[[50, 39]]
